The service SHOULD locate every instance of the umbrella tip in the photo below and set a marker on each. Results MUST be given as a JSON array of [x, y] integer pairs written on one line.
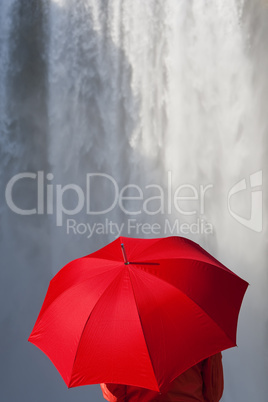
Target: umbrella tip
[[124, 254]]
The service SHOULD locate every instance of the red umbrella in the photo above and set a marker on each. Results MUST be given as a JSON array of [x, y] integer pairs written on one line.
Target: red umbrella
[[138, 312]]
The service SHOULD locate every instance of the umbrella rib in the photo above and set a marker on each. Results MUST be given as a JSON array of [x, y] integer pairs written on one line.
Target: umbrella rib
[[101, 258], [185, 239], [143, 331], [212, 264], [65, 290], [190, 298], [84, 327], [149, 246]]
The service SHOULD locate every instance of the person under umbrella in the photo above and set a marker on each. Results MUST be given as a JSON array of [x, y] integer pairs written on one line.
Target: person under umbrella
[[203, 383]]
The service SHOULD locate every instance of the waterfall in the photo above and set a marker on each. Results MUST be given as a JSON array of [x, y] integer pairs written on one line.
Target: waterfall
[[154, 112]]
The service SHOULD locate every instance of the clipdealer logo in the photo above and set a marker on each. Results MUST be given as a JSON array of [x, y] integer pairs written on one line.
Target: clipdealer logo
[[255, 220], [185, 200], [132, 200]]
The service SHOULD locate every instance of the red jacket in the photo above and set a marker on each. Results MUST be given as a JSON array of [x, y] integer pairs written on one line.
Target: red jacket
[[202, 382]]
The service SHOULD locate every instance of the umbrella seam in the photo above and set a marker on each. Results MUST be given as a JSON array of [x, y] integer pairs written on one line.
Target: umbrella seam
[[84, 327], [150, 358], [65, 290], [222, 267], [211, 318], [188, 297], [151, 245]]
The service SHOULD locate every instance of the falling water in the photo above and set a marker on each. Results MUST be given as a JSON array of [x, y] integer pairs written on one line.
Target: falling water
[[155, 95]]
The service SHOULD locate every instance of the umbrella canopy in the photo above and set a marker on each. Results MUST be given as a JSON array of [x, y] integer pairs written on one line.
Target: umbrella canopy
[[138, 312]]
